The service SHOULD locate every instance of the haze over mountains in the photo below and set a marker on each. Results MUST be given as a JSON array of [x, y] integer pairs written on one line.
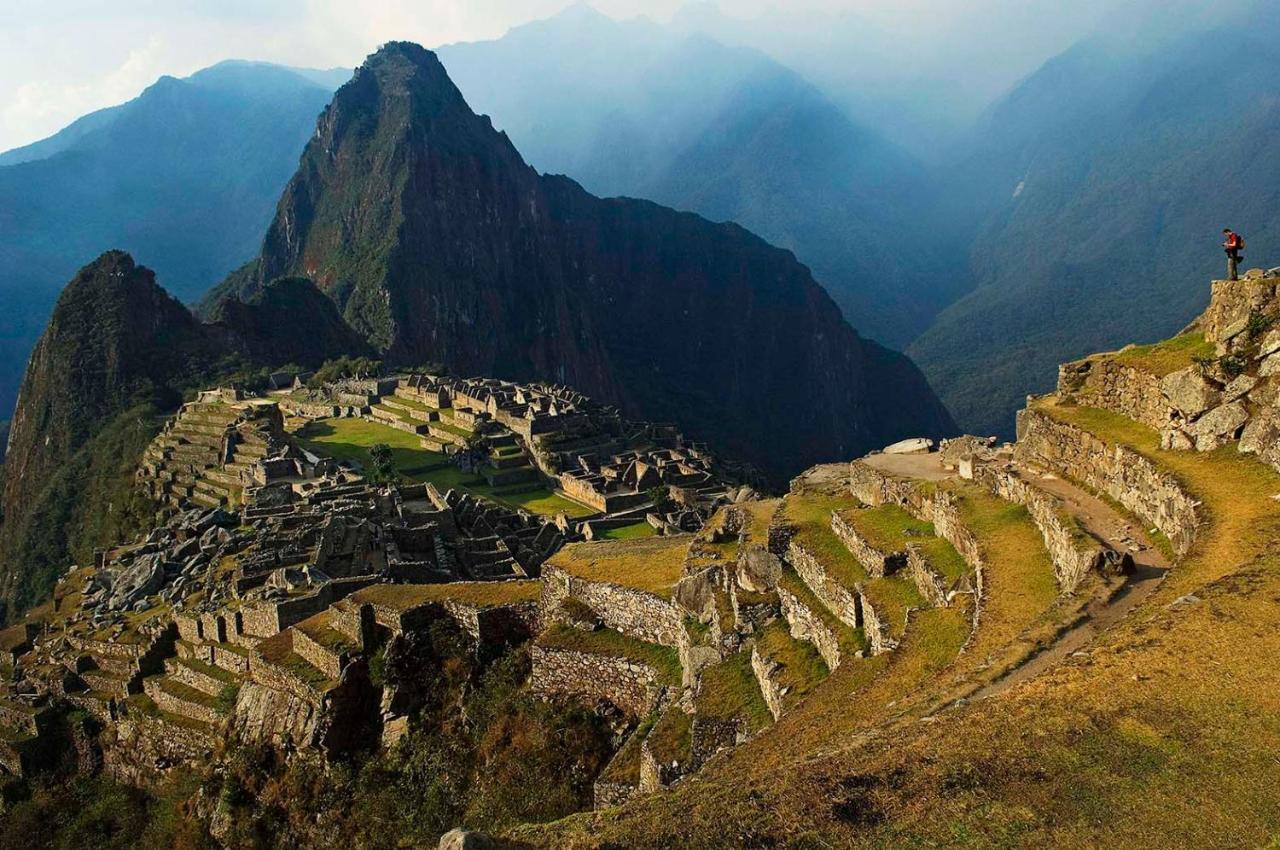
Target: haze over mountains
[[1100, 188], [1130, 160], [439, 244], [186, 175], [641, 110]]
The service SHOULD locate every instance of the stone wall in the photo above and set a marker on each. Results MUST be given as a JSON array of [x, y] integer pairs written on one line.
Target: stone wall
[[770, 689], [606, 794], [807, 625], [877, 564], [875, 627], [1231, 302], [632, 612], [1074, 556], [927, 579], [1104, 383], [328, 661], [1118, 471], [840, 600], [708, 736], [628, 684]]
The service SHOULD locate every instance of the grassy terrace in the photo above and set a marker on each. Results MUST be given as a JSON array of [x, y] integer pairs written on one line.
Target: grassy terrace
[[665, 660], [350, 439], [851, 640], [625, 766], [277, 650], [888, 529], [1162, 735], [730, 690], [653, 565], [811, 517], [483, 594], [671, 736], [144, 705], [801, 668], [1162, 358], [759, 516], [1021, 587], [637, 531], [1235, 489], [319, 627]]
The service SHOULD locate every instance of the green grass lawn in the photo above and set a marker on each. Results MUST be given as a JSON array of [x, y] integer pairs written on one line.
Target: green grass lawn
[[1163, 358], [350, 439], [636, 531]]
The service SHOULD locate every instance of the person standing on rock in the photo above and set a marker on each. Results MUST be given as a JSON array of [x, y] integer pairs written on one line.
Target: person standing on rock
[[1233, 245]]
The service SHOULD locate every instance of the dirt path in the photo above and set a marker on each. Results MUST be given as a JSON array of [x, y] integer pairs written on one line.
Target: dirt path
[[1097, 518], [1108, 525]]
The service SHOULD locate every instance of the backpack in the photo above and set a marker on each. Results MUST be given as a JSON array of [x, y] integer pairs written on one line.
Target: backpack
[[1239, 241]]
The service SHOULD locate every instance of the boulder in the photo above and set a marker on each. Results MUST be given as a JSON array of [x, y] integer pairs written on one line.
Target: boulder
[[141, 579], [1270, 366], [1262, 433], [1189, 391], [1219, 426], [1175, 439], [213, 537], [463, 839], [913, 446], [758, 569], [1270, 343], [695, 593], [1238, 388]]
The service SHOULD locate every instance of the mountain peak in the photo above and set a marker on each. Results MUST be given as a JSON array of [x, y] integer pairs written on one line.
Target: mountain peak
[[437, 243]]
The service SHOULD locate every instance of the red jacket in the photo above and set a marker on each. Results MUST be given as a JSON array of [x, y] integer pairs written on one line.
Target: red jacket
[[1233, 241]]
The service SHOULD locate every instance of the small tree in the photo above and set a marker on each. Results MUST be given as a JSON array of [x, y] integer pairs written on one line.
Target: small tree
[[384, 465], [661, 498]]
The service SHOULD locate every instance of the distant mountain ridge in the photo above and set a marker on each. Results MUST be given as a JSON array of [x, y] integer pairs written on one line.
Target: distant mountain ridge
[[437, 242], [1098, 191], [639, 110], [185, 175]]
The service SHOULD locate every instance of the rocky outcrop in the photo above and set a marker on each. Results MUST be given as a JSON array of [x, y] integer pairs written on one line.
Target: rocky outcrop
[[1232, 302]]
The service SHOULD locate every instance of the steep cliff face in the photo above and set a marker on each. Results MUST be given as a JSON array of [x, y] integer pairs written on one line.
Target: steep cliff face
[[438, 242], [116, 342], [118, 352]]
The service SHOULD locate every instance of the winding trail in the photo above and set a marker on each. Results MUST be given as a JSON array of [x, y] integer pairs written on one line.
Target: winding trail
[[1097, 518], [1108, 525]]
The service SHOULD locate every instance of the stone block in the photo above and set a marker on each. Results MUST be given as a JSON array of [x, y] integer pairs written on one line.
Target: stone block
[[1219, 426], [1189, 392]]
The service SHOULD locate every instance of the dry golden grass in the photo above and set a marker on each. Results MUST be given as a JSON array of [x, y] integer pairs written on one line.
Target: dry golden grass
[[482, 594], [653, 565], [1162, 734]]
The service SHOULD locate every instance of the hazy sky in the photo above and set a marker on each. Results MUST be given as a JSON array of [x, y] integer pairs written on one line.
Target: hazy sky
[[62, 58]]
